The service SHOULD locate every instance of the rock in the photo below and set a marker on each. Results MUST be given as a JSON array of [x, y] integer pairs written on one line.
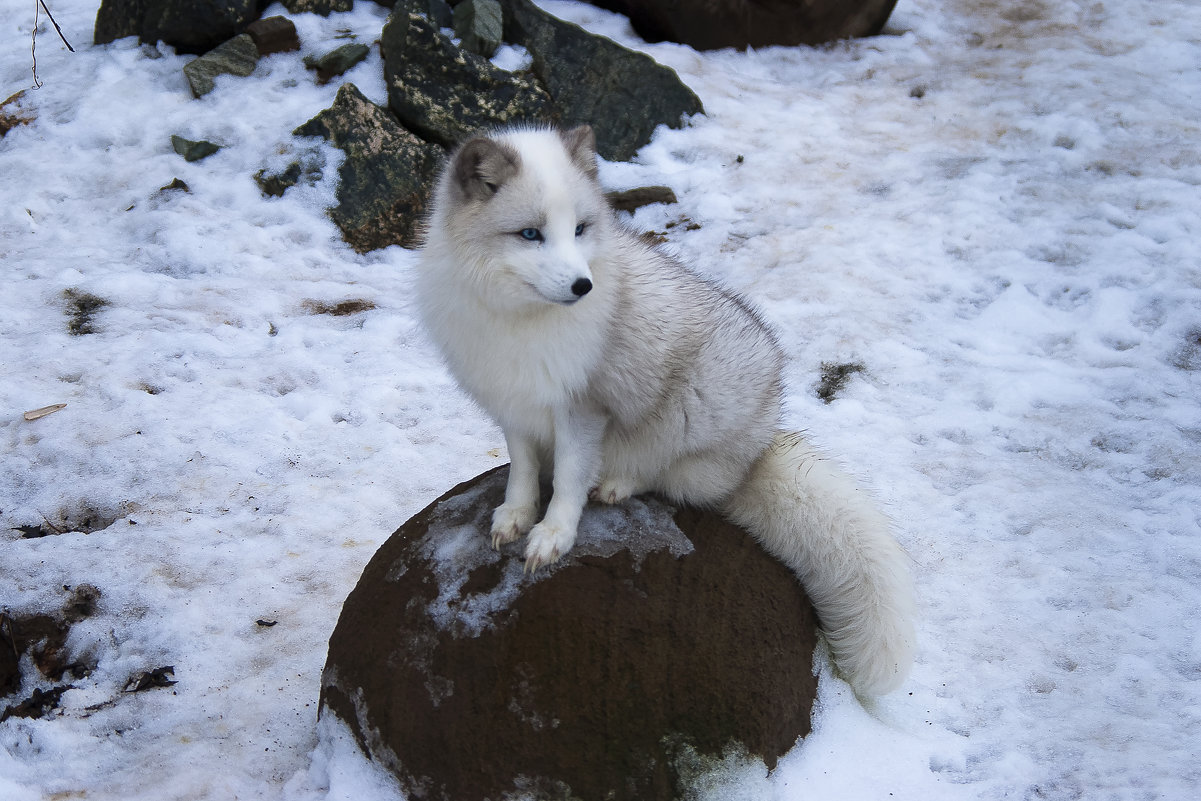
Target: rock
[[663, 638], [275, 184], [631, 199], [480, 26], [193, 150], [445, 94], [274, 35], [322, 7], [624, 95], [13, 112], [238, 56], [166, 194], [439, 12], [710, 24], [176, 185], [337, 61], [190, 26], [307, 168], [387, 175]]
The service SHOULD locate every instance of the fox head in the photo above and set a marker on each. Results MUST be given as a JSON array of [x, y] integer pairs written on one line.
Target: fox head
[[524, 215]]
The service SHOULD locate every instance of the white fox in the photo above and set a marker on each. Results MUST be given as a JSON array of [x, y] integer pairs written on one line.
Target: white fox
[[611, 362]]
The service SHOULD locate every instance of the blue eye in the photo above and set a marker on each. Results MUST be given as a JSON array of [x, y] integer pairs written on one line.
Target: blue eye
[[530, 234], [579, 229]]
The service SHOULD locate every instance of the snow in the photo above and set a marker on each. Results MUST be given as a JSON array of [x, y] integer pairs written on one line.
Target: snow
[[451, 547], [995, 208]]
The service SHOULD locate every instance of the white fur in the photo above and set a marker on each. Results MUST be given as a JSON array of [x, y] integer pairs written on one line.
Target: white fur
[[626, 372], [812, 517]]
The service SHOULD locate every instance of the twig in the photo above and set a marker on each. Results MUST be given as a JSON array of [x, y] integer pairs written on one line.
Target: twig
[[33, 48], [57, 29], [41, 4], [38, 414]]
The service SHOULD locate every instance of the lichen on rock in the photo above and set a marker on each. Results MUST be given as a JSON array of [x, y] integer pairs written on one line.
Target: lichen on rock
[[386, 177], [444, 93]]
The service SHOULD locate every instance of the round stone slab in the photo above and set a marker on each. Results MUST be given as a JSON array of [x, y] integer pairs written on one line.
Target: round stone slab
[[664, 636]]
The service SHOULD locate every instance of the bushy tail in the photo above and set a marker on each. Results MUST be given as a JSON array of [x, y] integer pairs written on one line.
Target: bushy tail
[[811, 516]]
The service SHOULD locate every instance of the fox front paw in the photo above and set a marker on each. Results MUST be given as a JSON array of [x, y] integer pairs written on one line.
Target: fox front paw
[[612, 491], [547, 543], [510, 522]]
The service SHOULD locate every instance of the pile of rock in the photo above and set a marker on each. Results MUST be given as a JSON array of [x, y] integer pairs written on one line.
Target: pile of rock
[[440, 90], [443, 89]]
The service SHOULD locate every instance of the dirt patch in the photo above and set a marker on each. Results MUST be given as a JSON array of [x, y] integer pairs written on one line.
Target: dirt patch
[[82, 308], [13, 113], [1188, 355], [149, 679], [83, 519], [43, 638], [834, 378], [343, 308]]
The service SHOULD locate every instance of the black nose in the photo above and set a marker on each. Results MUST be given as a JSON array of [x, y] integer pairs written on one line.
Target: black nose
[[581, 287]]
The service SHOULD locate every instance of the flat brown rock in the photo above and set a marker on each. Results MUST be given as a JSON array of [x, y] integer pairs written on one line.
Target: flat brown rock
[[712, 24], [664, 634], [273, 35]]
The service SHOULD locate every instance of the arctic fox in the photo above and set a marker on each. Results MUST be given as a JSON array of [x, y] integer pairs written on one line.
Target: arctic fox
[[612, 363]]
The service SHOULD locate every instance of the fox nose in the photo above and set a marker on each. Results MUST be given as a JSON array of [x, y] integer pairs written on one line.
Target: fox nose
[[581, 287]]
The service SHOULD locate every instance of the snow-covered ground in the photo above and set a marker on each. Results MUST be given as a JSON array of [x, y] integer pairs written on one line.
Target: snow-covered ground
[[995, 209]]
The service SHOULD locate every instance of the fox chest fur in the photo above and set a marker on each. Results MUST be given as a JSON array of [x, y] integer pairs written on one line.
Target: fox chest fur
[[519, 368]]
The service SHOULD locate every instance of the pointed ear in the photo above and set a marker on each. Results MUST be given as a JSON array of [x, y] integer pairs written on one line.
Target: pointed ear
[[482, 166], [580, 143]]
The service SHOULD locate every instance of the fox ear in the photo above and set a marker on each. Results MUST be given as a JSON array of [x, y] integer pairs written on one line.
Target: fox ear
[[580, 143], [482, 166]]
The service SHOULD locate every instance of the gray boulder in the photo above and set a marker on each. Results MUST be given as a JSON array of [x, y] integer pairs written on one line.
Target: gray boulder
[[480, 26], [193, 149], [190, 26], [337, 61], [238, 56], [384, 181], [622, 94], [439, 11], [665, 639], [446, 94]]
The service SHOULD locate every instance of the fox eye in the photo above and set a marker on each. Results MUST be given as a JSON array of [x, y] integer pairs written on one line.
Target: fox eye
[[530, 234], [579, 229]]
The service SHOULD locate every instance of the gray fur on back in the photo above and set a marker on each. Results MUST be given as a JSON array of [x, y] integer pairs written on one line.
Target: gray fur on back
[[692, 366]]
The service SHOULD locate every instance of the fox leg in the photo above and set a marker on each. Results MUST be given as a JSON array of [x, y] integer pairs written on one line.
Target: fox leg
[[614, 489], [628, 468], [577, 461], [516, 515]]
